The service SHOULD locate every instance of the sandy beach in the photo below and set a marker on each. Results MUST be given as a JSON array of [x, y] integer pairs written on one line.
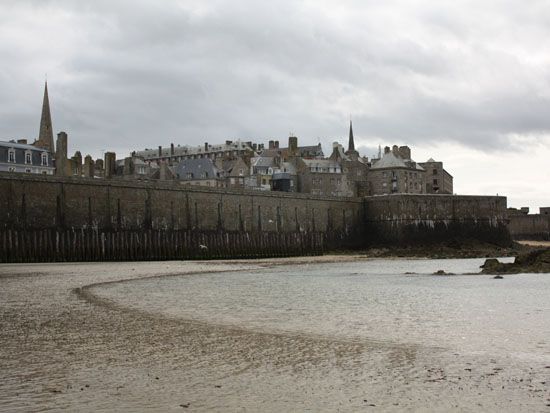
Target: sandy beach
[[63, 348]]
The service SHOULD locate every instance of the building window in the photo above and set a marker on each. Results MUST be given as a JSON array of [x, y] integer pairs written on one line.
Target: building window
[[28, 170], [189, 175], [435, 171], [44, 159], [204, 174], [435, 182], [28, 158], [11, 169], [11, 156], [141, 170]]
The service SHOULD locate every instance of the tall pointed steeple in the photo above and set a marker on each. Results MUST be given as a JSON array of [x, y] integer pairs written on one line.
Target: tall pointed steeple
[[45, 136], [351, 144]]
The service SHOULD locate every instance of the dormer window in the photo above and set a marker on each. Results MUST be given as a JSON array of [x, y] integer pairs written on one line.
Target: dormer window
[[11, 155], [28, 158], [44, 159]]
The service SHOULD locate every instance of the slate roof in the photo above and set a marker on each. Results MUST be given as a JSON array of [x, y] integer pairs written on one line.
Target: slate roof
[[389, 160], [194, 150], [262, 161], [197, 168], [20, 150]]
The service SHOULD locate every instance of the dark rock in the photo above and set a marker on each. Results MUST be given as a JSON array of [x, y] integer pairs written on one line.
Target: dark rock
[[491, 263], [498, 277], [537, 261], [441, 272]]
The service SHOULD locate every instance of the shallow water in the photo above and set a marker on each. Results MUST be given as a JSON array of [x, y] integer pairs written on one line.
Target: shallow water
[[377, 334], [394, 301]]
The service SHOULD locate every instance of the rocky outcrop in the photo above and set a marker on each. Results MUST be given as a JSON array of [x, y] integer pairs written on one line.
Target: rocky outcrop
[[537, 261]]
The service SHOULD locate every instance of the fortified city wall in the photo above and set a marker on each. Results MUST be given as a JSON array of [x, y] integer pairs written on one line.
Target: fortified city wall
[[532, 226], [45, 218], [405, 219]]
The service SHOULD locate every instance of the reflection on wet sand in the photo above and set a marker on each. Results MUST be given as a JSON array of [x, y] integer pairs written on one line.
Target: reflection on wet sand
[[64, 347]]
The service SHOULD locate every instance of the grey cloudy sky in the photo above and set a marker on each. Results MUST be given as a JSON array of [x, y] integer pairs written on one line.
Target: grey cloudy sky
[[466, 82]]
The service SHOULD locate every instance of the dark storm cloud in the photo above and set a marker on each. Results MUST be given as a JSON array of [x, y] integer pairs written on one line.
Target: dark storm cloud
[[131, 74]]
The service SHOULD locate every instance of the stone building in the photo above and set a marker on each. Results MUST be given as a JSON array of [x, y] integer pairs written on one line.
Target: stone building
[[235, 171], [438, 180], [396, 172], [322, 177]]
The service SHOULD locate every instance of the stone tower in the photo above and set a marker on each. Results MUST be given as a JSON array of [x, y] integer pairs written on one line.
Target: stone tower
[[45, 137], [351, 143]]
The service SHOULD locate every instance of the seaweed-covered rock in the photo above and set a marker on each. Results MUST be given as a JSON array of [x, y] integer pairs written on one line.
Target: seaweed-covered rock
[[532, 262]]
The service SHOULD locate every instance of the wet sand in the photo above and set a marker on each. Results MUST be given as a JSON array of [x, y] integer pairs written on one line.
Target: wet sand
[[543, 244], [63, 348]]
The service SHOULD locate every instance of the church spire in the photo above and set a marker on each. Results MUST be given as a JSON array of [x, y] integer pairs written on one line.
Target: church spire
[[351, 143], [351, 152], [45, 137]]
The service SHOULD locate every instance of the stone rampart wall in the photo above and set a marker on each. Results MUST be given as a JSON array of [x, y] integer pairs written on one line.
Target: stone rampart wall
[[89, 211], [534, 227], [46, 218], [406, 219]]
